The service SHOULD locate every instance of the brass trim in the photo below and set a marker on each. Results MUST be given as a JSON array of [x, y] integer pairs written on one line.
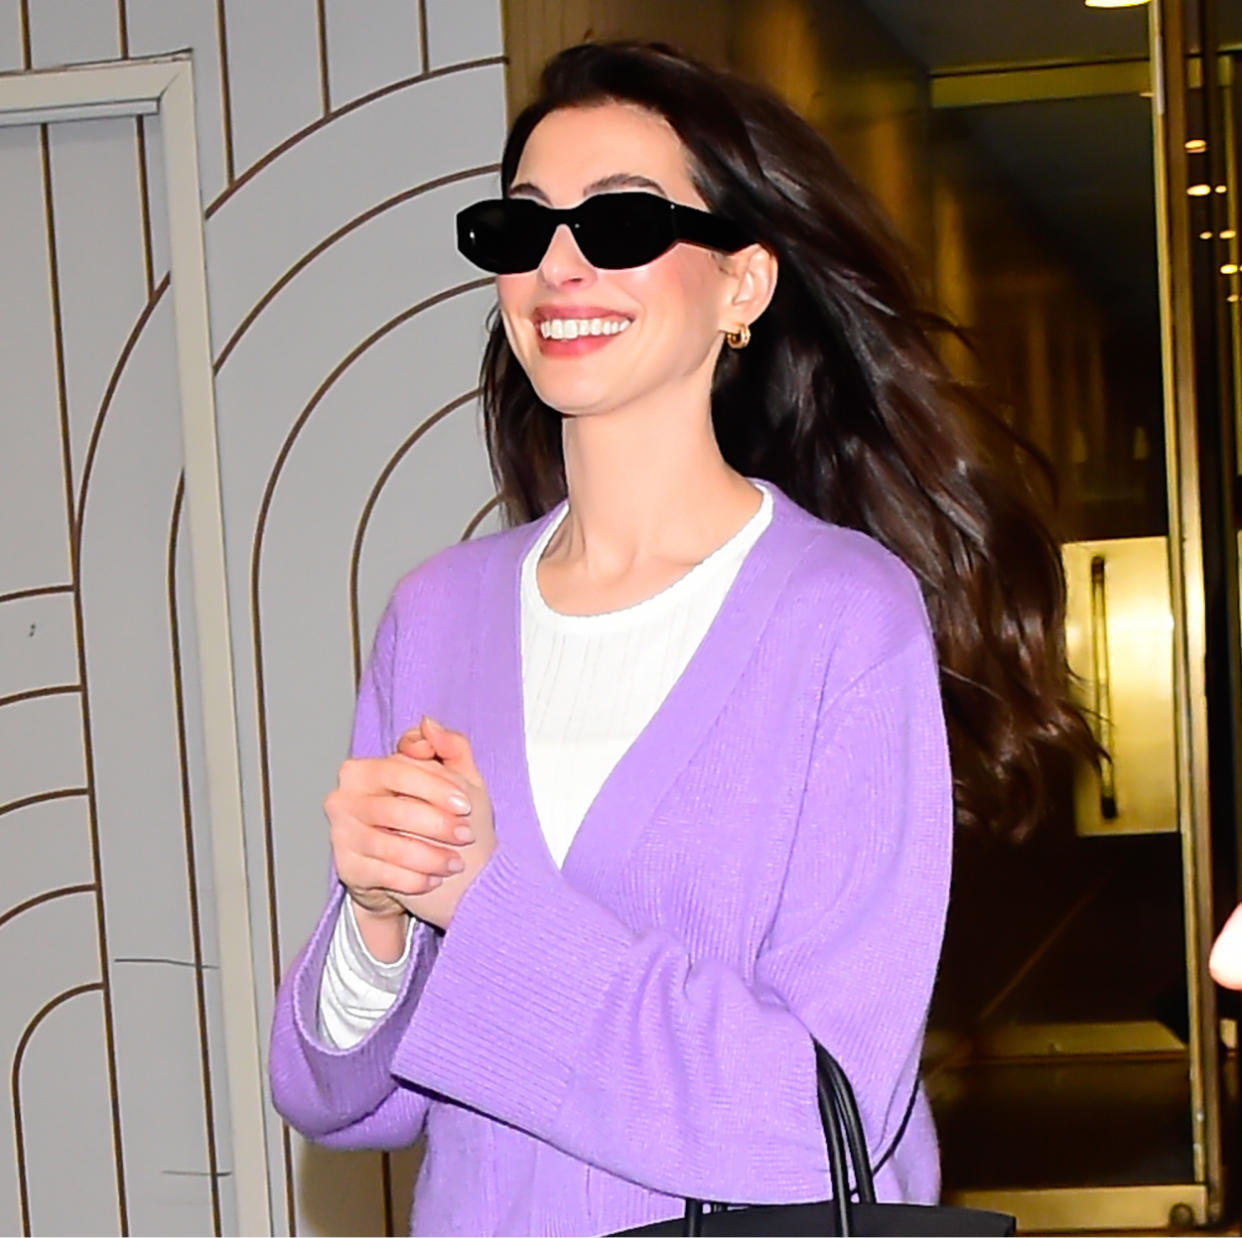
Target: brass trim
[[1071, 1209], [47, 896], [34, 694], [364, 520], [19, 595], [191, 863], [1019, 85], [981, 85], [321, 34], [1038, 1040], [479, 516], [226, 96], [15, 1086], [1169, 119], [64, 793], [236, 183], [350, 225]]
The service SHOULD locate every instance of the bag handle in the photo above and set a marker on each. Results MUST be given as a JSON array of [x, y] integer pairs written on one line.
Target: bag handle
[[838, 1109]]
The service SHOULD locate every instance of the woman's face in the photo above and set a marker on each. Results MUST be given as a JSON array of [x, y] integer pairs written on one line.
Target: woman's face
[[660, 324]]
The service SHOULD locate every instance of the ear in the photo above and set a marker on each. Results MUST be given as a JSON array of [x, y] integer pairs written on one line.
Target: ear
[[754, 271]]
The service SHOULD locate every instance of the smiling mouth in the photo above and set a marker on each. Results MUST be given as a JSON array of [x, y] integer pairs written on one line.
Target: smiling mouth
[[577, 328]]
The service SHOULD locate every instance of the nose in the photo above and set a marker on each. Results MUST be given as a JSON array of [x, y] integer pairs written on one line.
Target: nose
[[563, 264]]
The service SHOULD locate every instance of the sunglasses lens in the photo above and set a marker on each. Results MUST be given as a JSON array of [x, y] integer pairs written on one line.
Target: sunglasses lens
[[504, 236], [613, 231], [619, 230]]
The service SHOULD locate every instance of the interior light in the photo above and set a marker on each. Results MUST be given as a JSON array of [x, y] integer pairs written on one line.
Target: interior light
[[1230, 268], [1113, 4], [1232, 298], [1196, 146], [1228, 234], [1199, 191], [1206, 236], [1222, 188]]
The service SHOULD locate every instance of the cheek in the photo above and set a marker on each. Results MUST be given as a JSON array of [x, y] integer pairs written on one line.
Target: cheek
[[682, 285], [513, 293]]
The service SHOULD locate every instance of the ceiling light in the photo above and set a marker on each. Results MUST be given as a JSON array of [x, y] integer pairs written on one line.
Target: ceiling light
[[1196, 146], [1228, 234], [1199, 191], [1222, 188], [1232, 298], [1230, 268], [1206, 236], [1113, 4]]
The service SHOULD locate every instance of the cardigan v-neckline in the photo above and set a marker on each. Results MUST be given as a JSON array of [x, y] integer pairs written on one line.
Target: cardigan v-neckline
[[629, 794]]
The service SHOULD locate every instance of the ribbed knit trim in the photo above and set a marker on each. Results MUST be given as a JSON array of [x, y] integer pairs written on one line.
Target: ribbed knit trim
[[515, 943], [347, 1096]]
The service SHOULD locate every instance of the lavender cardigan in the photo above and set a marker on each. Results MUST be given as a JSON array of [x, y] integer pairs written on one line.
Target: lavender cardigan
[[768, 861]]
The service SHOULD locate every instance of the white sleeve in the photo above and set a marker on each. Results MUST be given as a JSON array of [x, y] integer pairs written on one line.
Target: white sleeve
[[357, 989]]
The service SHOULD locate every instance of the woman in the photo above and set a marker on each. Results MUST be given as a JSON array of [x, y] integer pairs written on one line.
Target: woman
[[695, 807]]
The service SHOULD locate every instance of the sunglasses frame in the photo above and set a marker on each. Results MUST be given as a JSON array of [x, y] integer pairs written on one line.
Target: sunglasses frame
[[684, 223]]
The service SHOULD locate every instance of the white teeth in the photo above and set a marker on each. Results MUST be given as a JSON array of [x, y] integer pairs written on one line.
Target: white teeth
[[574, 328]]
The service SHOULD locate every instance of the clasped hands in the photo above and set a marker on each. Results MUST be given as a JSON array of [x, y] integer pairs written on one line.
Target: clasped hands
[[409, 833]]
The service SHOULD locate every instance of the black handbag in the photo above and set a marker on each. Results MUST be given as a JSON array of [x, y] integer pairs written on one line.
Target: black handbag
[[840, 1215]]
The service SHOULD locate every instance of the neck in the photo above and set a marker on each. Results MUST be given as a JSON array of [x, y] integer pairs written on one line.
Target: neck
[[647, 483]]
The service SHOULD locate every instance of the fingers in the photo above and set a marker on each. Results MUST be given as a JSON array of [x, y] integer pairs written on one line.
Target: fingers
[[370, 858], [398, 775], [406, 815], [453, 748]]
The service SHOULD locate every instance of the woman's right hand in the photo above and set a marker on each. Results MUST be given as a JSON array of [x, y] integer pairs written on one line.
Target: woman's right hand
[[392, 826]]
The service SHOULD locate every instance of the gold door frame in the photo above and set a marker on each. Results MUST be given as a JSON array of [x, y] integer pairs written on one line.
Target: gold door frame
[[1177, 316], [1171, 75]]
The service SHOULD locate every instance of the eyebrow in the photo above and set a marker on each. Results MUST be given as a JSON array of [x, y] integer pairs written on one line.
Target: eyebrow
[[617, 180]]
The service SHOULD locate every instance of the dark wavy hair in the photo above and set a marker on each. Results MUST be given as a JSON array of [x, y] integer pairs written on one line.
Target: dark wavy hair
[[844, 402]]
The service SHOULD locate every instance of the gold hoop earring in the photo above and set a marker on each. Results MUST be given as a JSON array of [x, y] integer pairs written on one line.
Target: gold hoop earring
[[738, 339]]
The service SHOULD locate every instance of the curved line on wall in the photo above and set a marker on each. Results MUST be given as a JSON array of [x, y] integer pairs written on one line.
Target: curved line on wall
[[256, 558], [349, 226], [479, 516], [19, 595], [361, 101], [105, 404], [355, 554], [265, 789], [42, 798], [33, 694], [46, 897], [19, 1136], [191, 870]]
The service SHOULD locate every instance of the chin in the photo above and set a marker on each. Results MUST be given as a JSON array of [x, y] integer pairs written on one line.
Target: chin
[[574, 398]]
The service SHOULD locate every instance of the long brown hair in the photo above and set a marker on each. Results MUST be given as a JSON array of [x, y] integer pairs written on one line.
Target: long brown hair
[[843, 401]]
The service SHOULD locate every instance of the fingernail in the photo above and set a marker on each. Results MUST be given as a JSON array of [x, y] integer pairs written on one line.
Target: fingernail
[[455, 865], [459, 803], [464, 834], [432, 882], [434, 723]]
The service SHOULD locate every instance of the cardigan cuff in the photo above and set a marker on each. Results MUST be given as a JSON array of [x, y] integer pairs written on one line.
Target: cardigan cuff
[[349, 1093], [521, 973]]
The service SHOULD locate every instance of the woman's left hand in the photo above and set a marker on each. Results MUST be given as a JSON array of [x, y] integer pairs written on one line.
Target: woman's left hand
[[429, 741]]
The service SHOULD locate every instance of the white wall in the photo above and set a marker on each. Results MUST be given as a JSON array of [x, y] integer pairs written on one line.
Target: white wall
[[336, 141]]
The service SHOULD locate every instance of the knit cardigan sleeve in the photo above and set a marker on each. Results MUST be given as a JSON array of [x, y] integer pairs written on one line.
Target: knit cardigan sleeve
[[348, 1097], [548, 1013]]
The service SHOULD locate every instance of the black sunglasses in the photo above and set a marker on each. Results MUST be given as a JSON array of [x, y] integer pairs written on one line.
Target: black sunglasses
[[613, 231]]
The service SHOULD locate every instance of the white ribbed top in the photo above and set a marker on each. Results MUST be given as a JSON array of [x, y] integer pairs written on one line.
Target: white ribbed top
[[591, 683]]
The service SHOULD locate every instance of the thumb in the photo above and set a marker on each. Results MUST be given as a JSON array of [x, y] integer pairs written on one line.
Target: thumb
[[453, 749]]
